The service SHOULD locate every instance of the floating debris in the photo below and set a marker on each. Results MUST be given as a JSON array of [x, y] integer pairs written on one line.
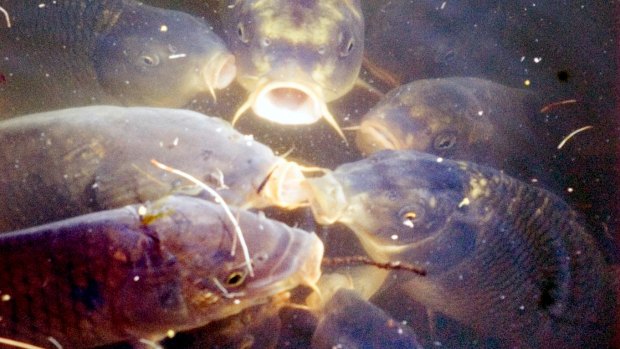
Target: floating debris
[[6, 15], [218, 200], [550, 106], [18, 344], [396, 265], [572, 134]]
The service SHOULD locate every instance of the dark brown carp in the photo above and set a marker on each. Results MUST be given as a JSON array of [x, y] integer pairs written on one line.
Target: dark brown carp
[[69, 162], [144, 271], [294, 56], [462, 119], [510, 260], [120, 52]]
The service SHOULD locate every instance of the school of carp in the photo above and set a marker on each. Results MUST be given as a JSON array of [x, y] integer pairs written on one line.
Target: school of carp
[[460, 192]]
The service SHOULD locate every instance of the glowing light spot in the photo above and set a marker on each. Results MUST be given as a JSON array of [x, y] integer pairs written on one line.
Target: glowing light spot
[[527, 82], [6, 297], [537, 59], [163, 28], [236, 301], [570, 190], [170, 333], [464, 202], [142, 210], [394, 237], [440, 160], [480, 112], [177, 55], [136, 278]]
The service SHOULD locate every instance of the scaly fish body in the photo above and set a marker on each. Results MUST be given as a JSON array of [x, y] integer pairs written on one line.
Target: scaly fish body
[[294, 56], [119, 52], [75, 161], [138, 272], [510, 260]]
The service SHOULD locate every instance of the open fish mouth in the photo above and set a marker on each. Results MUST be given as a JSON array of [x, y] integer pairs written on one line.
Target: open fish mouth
[[220, 72], [288, 103], [373, 137]]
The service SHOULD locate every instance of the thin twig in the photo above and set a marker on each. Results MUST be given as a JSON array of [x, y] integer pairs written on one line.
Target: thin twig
[[571, 135], [6, 15], [18, 344], [219, 200], [396, 265]]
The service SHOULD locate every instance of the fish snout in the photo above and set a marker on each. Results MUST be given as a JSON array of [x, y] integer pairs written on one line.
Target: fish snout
[[220, 71], [297, 263], [372, 137], [327, 199]]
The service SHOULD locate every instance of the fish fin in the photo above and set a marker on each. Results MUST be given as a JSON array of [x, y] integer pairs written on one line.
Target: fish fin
[[144, 343], [363, 84], [334, 124], [381, 74]]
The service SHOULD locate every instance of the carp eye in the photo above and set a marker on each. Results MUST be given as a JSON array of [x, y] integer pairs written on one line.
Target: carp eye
[[235, 279], [409, 215], [242, 33], [149, 60], [444, 141]]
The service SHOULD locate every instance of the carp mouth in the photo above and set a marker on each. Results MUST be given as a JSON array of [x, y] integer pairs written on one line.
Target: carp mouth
[[288, 103], [373, 137], [220, 72]]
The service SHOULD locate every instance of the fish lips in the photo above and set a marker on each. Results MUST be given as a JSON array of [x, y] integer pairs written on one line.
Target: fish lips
[[289, 103]]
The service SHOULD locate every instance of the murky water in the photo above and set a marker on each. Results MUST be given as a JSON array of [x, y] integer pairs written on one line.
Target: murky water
[[565, 51]]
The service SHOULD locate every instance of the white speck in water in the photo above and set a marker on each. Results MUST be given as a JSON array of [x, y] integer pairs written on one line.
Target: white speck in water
[[522, 307], [480, 112], [443, 5], [163, 28], [142, 210], [65, 176], [177, 55], [502, 297], [218, 130], [534, 180], [249, 140], [440, 159], [394, 236], [236, 301], [136, 278], [460, 276], [6, 297], [404, 322], [569, 189], [161, 144], [176, 141], [522, 58], [407, 223], [537, 59], [95, 185], [399, 331], [170, 334], [437, 343], [464, 202], [126, 82], [41, 5]]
